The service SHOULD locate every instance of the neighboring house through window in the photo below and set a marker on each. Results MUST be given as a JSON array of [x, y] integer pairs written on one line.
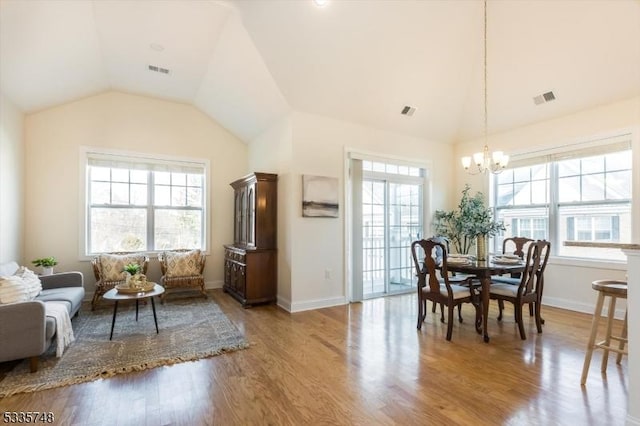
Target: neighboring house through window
[[148, 203], [579, 195]]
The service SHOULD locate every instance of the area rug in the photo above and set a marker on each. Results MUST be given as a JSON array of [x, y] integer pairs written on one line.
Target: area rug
[[190, 329]]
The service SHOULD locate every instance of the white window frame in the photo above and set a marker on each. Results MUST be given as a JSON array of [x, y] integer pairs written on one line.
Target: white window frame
[[551, 157], [87, 152]]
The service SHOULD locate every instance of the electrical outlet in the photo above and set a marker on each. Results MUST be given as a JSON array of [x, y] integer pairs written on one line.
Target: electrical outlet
[[327, 274]]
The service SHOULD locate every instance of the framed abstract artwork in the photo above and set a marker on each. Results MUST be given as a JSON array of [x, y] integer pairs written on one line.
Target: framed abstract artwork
[[319, 196]]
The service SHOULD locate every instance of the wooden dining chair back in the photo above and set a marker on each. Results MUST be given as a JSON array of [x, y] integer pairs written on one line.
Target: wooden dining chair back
[[439, 289], [515, 245], [529, 290]]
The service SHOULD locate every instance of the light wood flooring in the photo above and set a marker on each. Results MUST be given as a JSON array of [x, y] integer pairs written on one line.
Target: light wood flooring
[[363, 364]]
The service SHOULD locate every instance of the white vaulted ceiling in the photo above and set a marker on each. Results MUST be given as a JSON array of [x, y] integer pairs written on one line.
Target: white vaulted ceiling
[[246, 63]]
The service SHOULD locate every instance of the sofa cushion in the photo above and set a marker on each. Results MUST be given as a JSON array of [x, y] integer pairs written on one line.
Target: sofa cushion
[[182, 264], [112, 265], [72, 295], [12, 290]]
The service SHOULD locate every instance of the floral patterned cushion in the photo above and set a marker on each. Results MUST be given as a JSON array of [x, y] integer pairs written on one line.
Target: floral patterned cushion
[[182, 264], [112, 265]]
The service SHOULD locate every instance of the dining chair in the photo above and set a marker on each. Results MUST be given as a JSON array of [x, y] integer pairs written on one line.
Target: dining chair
[[454, 278], [440, 289], [182, 268], [108, 269], [530, 288], [517, 246]]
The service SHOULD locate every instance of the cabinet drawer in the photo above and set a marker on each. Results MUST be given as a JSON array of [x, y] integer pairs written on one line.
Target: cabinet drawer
[[235, 256]]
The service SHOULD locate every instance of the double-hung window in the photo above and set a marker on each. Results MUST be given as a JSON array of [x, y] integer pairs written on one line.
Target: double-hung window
[[578, 195], [144, 203]]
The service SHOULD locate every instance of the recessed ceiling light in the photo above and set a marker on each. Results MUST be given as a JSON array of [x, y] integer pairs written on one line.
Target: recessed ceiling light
[[321, 3], [157, 47]]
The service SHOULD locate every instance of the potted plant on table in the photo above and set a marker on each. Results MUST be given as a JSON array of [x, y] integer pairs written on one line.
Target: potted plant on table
[[471, 223], [47, 264], [134, 276]]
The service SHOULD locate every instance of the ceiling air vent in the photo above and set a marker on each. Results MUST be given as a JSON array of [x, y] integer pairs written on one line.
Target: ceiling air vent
[[158, 69], [408, 110], [545, 97]]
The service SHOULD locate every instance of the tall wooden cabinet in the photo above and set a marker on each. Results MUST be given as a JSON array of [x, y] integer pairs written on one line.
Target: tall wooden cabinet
[[250, 263]]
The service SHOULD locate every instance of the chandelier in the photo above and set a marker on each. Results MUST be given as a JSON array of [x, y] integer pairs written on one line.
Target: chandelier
[[485, 161]]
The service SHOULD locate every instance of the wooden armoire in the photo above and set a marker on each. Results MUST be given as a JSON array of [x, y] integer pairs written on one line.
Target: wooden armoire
[[251, 262]]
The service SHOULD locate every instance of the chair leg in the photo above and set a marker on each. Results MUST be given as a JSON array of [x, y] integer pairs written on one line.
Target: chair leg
[[607, 337], [478, 306], [441, 312], [500, 309], [94, 300], [460, 312], [592, 338], [623, 336], [421, 306], [433, 308], [520, 322], [538, 317], [531, 313], [450, 322]]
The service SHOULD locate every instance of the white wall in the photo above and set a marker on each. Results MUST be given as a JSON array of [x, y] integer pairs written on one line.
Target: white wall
[[318, 244], [633, 409], [114, 120], [11, 181], [271, 152], [567, 282]]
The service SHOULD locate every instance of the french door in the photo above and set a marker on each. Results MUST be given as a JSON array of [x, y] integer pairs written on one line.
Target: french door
[[391, 219]]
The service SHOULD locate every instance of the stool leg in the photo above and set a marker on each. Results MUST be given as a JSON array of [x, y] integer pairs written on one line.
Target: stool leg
[[624, 336], [592, 338], [607, 337]]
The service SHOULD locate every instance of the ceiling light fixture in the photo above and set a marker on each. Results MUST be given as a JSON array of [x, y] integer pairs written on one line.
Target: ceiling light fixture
[[157, 47], [321, 3], [485, 161]]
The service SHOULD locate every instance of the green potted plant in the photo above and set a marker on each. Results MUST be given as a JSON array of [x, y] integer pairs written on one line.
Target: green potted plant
[[132, 270], [471, 223], [47, 264]]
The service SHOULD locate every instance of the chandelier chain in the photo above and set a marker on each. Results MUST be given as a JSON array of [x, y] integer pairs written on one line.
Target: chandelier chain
[[485, 161], [486, 121]]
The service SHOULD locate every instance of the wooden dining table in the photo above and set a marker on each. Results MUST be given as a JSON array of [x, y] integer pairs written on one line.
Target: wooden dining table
[[483, 270]]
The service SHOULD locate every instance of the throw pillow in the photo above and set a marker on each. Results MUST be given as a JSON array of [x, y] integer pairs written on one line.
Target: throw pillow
[[112, 265], [182, 264], [12, 290], [30, 280]]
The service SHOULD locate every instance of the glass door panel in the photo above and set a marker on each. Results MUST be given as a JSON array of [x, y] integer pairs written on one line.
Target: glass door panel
[[391, 221]]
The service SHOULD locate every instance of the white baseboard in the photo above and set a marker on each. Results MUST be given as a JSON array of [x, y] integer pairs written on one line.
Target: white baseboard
[[210, 285], [317, 304], [284, 303], [586, 308]]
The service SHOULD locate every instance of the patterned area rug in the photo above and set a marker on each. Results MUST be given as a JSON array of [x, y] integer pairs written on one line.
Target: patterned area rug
[[190, 329]]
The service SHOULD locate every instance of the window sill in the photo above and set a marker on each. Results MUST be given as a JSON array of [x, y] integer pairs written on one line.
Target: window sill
[[616, 265]]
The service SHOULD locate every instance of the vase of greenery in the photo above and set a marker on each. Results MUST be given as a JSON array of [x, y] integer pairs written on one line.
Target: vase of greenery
[[471, 223], [46, 263]]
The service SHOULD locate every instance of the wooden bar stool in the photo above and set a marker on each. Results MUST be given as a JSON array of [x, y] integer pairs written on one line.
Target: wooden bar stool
[[614, 289]]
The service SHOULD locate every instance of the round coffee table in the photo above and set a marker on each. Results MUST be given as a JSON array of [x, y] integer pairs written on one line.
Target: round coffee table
[[116, 296]]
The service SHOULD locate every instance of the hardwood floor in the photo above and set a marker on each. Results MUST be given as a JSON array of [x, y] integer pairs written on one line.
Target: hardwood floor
[[361, 364]]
